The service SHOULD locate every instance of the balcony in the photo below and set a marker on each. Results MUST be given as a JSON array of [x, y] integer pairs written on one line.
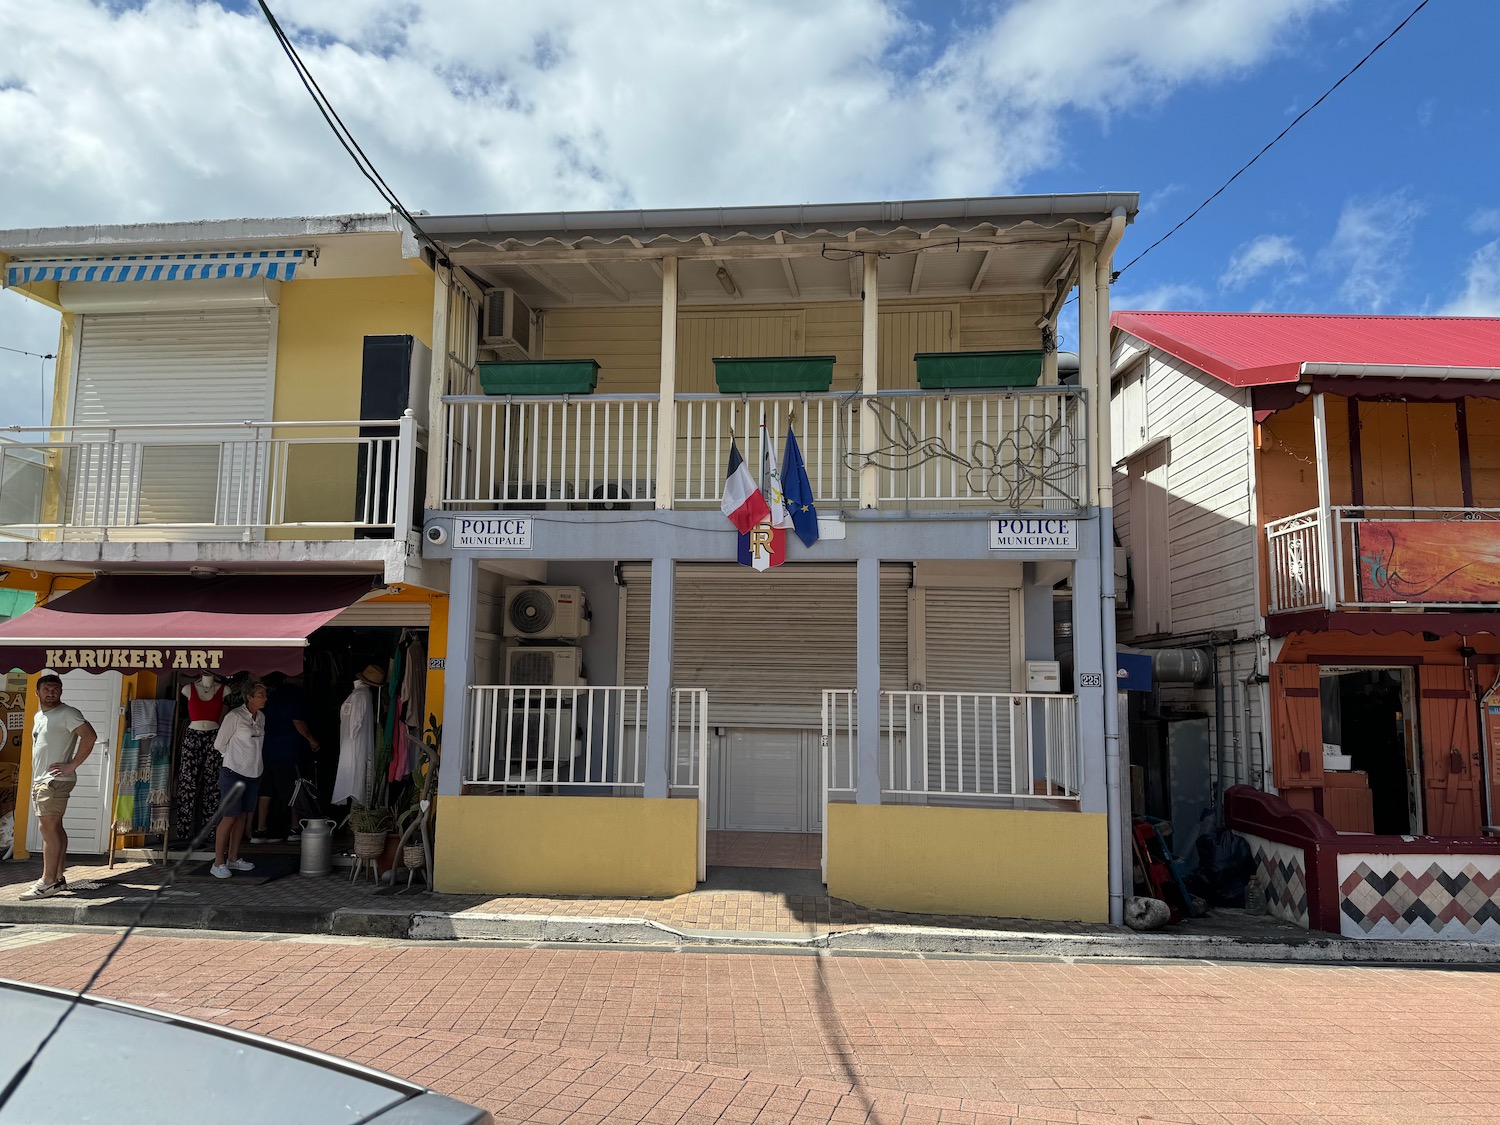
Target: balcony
[[1384, 558], [208, 481], [1015, 451]]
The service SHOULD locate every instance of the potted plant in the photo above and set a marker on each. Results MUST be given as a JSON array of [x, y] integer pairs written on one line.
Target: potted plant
[[369, 826]]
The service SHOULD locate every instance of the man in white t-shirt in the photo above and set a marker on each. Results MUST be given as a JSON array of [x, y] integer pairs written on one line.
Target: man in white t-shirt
[[61, 738]]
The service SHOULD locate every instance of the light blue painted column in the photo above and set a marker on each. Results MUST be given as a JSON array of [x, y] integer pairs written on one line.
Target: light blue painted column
[[659, 678], [867, 681], [1089, 679], [1037, 625], [458, 672]]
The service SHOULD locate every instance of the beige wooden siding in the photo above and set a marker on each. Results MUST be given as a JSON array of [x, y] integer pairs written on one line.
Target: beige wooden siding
[[627, 342]]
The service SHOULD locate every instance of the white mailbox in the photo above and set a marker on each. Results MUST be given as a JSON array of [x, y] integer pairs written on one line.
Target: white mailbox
[[1043, 676]]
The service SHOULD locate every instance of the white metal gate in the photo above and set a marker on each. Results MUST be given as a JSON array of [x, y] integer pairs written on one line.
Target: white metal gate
[[91, 805]]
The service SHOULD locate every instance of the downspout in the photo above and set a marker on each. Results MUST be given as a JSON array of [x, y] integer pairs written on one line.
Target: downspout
[[1118, 825]]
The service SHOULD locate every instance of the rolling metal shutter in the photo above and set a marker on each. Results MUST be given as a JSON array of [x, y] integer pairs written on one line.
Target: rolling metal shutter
[[377, 612], [205, 365], [969, 648], [766, 645]]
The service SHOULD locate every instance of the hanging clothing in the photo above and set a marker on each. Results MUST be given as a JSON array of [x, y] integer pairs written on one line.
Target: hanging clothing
[[197, 794], [201, 710], [356, 745]]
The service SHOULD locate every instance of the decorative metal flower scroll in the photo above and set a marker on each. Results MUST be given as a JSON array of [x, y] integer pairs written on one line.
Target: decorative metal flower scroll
[[1038, 458]]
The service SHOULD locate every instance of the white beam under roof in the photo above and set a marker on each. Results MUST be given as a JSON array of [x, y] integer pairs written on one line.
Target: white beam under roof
[[786, 267], [620, 292], [984, 268], [916, 272], [550, 283]]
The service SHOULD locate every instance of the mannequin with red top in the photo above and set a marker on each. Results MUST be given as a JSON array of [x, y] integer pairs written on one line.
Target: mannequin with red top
[[196, 793]]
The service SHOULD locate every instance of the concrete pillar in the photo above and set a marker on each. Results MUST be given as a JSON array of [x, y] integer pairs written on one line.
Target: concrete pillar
[[659, 678], [1089, 679], [867, 681], [458, 672]]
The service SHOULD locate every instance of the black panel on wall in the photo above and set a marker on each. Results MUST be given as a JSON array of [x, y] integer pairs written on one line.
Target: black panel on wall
[[385, 392]]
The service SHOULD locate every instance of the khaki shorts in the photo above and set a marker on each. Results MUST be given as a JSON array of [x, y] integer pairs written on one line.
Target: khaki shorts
[[51, 795]]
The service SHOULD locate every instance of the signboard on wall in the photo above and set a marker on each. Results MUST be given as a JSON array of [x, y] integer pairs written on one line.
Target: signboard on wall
[[1428, 560], [1033, 535], [492, 533]]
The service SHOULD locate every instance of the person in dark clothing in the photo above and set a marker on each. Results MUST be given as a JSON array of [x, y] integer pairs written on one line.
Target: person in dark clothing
[[288, 739]]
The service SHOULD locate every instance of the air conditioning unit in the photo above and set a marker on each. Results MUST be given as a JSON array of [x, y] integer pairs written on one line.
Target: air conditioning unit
[[507, 324], [545, 612], [549, 666], [621, 496]]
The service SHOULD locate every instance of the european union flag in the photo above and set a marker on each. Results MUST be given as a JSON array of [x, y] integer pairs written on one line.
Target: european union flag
[[797, 490]]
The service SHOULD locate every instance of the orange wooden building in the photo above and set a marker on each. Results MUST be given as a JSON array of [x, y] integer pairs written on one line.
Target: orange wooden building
[[1316, 500]]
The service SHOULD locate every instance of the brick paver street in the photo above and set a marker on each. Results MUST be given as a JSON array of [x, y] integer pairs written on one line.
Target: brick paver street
[[597, 1034]]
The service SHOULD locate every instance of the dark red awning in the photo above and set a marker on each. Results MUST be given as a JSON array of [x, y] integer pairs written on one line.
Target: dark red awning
[[1452, 624], [161, 623]]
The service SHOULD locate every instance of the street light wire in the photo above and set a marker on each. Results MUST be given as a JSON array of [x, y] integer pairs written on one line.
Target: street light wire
[[1272, 142]]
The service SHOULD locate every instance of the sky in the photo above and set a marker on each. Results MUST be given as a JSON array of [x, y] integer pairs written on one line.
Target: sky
[[1383, 200]]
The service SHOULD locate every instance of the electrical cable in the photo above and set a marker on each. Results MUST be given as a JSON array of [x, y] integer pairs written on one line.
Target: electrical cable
[[341, 131], [234, 794], [1246, 167], [23, 351]]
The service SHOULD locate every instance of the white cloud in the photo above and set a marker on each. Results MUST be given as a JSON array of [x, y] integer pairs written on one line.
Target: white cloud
[[1485, 221], [1268, 252], [1369, 248], [1171, 295], [1481, 295]]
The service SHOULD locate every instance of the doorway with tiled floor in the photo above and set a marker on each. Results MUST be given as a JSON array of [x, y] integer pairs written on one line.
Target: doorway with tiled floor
[[800, 851]]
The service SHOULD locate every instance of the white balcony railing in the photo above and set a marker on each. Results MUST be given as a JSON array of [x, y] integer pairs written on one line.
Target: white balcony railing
[[593, 451], [971, 748], [1295, 548], [1383, 557], [211, 480], [1023, 450], [532, 739]]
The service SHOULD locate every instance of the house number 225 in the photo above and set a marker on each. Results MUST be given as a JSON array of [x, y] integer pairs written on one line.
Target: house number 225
[[1090, 679]]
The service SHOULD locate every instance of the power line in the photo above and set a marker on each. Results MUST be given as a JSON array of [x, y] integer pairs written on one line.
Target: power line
[[1347, 74], [341, 131], [23, 351]]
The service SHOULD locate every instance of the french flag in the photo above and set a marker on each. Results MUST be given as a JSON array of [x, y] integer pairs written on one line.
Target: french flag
[[743, 504]]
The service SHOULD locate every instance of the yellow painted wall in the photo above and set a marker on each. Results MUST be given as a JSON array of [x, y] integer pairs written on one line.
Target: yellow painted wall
[[437, 641], [627, 342], [319, 354], [981, 862], [618, 847]]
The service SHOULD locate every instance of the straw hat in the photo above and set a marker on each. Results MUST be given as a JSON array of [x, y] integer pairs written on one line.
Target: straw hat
[[373, 674]]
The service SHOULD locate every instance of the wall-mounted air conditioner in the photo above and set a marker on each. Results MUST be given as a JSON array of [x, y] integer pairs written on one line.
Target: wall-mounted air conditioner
[[546, 612], [507, 324], [621, 496], [549, 666]]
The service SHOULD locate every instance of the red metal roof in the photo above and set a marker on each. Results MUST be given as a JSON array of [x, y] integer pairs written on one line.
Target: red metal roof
[[1254, 349]]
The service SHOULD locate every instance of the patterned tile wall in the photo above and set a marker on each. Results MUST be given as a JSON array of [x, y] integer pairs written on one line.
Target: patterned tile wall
[[1282, 871], [1420, 896]]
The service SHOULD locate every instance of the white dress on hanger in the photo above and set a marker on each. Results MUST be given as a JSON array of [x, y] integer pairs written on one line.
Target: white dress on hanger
[[356, 745]]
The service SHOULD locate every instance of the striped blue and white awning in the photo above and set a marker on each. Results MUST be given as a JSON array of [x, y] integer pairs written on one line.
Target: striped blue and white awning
[[276, 265]]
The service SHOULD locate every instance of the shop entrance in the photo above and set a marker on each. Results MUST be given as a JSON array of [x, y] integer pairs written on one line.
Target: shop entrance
[[1368, 727]]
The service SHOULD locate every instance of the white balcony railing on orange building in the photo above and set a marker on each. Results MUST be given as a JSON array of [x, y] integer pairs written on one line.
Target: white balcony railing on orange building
[[209, 480], [1020, 450], [1384, 558]]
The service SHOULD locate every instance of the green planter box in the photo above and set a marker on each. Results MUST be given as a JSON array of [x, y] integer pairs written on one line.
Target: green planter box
[[540, 377], [955, 370], [762, 374]]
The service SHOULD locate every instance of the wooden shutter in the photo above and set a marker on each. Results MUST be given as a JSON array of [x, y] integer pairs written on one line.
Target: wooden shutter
[[1450, 751], [1297, 749]]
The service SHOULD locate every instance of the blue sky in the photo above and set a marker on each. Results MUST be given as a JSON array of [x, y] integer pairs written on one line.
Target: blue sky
[[1383, 200]]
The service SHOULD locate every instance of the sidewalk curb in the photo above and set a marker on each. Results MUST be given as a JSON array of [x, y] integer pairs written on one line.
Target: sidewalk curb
[[428, 925]]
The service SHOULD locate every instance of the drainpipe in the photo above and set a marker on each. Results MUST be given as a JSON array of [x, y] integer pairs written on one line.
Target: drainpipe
[[1118, 820]]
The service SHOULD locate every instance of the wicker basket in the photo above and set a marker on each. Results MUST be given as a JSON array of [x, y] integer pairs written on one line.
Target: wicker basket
[[369, 845], [413, 856]]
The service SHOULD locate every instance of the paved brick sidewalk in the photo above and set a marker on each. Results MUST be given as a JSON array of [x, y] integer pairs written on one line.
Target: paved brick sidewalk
[[604, 1035], [757, 912]]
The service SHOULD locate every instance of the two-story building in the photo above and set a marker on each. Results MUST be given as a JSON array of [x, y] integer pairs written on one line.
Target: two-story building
[[620, 686], [229, 482], [1308, 501]]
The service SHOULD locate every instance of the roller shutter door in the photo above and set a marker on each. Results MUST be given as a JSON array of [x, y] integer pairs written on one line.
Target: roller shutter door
[[766, 645], [208, 365]]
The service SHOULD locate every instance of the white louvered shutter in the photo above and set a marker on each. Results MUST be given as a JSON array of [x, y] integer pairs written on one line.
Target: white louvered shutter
[[209, 365]]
